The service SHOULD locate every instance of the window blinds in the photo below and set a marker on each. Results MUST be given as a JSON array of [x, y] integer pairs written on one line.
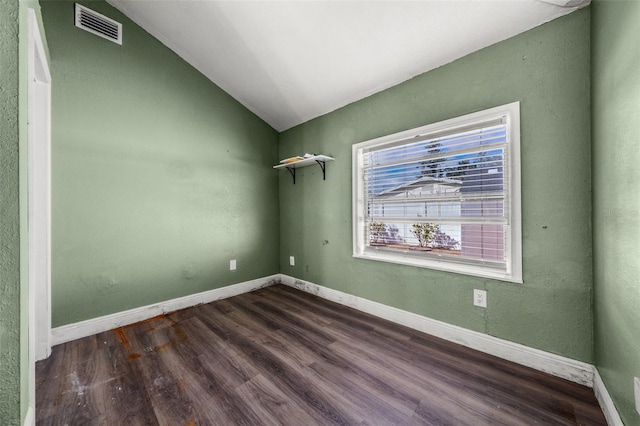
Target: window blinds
[[441, 194]]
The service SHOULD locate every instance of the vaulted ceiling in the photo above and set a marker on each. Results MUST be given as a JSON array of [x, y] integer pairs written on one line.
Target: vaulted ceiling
[[292, 61]]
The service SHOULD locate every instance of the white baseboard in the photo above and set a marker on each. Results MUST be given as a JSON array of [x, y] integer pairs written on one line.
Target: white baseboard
[[30, 419], [605, 401], [567, 368], [67, 333]]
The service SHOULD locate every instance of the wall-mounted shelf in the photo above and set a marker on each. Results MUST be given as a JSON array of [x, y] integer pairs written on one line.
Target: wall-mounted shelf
[[316, 159]]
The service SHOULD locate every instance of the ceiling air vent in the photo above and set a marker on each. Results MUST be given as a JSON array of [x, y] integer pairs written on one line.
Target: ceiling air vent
[[98, 24]]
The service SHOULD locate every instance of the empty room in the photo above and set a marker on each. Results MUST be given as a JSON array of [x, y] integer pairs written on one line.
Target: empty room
[[319, 212]]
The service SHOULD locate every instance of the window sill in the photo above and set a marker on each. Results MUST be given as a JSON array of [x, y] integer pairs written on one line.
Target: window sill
[[439, 265]]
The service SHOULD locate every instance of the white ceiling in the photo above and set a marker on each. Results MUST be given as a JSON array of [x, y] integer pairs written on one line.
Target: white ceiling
[[291, 61]]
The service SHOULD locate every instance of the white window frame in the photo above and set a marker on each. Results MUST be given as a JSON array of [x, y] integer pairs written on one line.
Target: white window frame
[[510, 114]]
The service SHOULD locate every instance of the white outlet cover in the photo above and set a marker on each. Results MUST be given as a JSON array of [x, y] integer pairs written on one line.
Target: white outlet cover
[[480, 298], [292, 261], [636, 386], [232, 265]]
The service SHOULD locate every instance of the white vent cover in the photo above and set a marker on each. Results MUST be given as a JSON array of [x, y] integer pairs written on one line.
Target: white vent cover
[[98, 24]]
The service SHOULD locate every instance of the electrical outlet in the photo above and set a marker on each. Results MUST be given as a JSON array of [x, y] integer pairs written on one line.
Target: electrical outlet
[[232, 265], [292, 261], [480, 298], [636, 383]]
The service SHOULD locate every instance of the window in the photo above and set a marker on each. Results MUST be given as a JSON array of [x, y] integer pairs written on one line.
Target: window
[[444, 196]]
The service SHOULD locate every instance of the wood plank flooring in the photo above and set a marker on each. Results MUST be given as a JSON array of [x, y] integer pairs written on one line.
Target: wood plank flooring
[[278, 356]]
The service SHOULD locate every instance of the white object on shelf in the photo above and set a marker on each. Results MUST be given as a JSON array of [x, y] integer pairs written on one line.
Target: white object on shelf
[[304, 163], [291, 160], [314, 159]]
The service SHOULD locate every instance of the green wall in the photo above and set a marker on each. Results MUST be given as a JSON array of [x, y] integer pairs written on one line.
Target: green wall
[[616, 200], [547, 70], [159, 177], [9, 216]]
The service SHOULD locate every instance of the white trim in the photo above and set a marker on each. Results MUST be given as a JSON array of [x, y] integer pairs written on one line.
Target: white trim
[[67, 333], [508, 114], [556, 365], [514, 240], [30, 419], [605, 401], [400, 258], [39, 192], [39, 205]]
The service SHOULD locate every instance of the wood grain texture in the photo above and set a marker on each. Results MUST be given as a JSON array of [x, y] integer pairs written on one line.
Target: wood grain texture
[[278, 356]]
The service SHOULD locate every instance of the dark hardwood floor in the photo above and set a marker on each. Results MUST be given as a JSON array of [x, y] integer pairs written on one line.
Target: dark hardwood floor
[[278, 356]]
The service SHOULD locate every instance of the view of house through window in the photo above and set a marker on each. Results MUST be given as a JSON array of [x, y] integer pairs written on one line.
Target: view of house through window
[[444, 196]]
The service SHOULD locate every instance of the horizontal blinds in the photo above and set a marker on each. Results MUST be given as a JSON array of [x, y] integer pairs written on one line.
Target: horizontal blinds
[[445, 194]]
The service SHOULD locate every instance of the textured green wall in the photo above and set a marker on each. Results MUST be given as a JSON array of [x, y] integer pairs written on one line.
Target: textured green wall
[[616, 200], [159, 177], [547, 70], [9, 216]]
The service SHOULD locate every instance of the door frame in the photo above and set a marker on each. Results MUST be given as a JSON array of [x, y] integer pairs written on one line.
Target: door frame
[[39, 200]]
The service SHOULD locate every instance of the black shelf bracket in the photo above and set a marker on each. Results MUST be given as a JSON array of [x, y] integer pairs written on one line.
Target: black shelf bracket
[[322, 165], [292, 170]]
